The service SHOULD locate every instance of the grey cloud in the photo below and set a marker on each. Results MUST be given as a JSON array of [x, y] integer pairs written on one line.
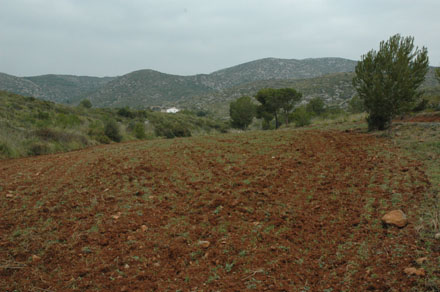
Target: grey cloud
[[115, 37]]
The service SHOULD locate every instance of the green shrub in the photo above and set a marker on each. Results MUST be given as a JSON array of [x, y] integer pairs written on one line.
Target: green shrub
[[42, 115], [171, 130], [126, 112], [139, 131], [316, 106], [48, 134], [103, 139], [301, 117], [5, 151], [67, 120], [85, 103], [421, 106], [112, 131], [39, 149], [356, 105]]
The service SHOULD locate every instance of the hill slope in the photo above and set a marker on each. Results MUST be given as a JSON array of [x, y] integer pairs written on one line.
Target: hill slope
[[30, 126], [67, 88], [272, 68], [57, 88], [147, 87]]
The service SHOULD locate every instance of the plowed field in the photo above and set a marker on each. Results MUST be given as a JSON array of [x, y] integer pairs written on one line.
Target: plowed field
[[260, 211]]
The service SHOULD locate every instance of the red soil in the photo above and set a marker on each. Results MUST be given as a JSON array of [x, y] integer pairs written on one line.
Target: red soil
[[282, 211]]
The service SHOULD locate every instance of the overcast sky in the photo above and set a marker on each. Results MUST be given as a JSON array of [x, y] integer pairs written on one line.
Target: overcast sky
[[115, 37]]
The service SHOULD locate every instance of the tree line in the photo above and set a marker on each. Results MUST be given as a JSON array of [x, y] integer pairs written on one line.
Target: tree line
[[387, 83]]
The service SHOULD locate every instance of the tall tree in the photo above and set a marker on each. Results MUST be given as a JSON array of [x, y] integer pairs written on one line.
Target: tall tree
[[437, 74], [274, 102], [242, 112], [387, 80], [287, 99]]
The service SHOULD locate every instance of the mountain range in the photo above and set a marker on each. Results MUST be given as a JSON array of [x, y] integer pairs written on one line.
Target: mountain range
[[329, 78]]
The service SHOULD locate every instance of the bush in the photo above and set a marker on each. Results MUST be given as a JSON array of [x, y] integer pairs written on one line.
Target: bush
[[112, 131], [301, 117], [421, 106], [85, 103], [356, 105], [316, 106], [171, 130], [67, 120], [125, 112], [5, 151], [103, 139], [139, 131], [39, 149], [42, 115]]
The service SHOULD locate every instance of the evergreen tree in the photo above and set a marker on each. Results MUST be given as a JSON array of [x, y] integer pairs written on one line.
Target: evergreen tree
[[387, 80], [242, 112], [276, 102]]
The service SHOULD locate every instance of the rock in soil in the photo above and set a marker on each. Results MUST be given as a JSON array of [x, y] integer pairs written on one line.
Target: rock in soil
[[420, 261], [396, 218], [204, 243], [414, 271]]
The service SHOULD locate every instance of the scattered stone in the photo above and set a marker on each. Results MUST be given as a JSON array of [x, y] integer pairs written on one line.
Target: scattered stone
[[144, 228], [204, 243], [396, 218], [411, 271], [126, 266], [437, 236], [131, 238], [116, 216], [35, 258], [420, 261], [156, 264], [10, 196]]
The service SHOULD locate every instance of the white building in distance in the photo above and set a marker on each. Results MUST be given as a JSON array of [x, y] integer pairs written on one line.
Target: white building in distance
[[172, 110]]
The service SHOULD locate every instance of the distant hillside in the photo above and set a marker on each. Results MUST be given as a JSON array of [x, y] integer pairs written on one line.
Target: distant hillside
[[329, 78], [68, 88], [149, 88], [58, 88], [20, 86], [146, 88], [272, 68], [335, 89]]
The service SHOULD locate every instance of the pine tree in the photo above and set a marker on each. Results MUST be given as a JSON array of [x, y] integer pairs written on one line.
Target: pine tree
[[387, 80]]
